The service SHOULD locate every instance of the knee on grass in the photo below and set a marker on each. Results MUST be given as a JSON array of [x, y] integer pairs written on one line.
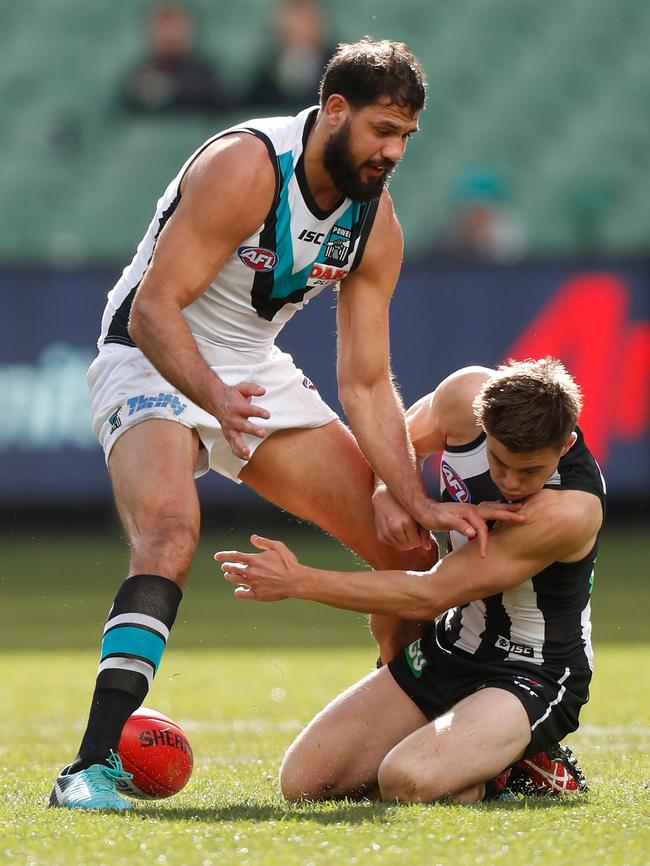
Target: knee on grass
[[417, 784], [300, 783]]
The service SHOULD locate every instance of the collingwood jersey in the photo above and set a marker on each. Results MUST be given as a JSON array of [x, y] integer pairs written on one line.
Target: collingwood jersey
[[298, 251], [545, 620]]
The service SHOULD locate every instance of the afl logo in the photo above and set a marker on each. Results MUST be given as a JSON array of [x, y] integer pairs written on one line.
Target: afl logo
[[258, 258], [455, 485]]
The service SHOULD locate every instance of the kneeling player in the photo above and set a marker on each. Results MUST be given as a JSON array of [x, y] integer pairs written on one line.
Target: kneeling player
[[500, 674]]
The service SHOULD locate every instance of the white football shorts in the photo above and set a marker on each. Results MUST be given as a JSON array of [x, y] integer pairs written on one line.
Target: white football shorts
[[126, 388]]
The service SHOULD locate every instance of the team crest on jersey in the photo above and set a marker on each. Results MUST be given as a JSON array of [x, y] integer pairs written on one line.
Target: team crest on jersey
[[258, 259], [456, 487], [337, 249]]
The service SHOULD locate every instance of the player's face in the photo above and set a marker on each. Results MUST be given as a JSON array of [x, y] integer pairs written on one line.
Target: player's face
[[520, 474], [361, 154]]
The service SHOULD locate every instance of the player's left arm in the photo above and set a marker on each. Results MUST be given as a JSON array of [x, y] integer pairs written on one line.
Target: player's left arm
[[366, 390], [561, 526]]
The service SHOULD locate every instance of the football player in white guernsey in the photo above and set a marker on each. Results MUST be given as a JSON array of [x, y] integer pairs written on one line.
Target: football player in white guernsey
[[503, 664], [259, 220]]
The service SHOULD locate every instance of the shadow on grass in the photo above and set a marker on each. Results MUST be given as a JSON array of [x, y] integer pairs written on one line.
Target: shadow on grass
[[342, 812], [565, 801], [325, 813]]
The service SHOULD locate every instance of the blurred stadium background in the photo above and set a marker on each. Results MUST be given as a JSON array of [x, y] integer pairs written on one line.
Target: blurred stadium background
[[538, 108], [551, 98]]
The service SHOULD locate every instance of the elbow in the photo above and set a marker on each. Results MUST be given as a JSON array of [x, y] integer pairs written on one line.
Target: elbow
[[356, 393], [138, 320], [350, 396], [134, 327], [420, 610]]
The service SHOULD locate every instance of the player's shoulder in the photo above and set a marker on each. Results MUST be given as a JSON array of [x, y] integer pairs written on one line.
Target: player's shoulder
[[237, 160], [386, 217], [232, 172], [571, 518], [384, 248], [464, 383], [453, 399]]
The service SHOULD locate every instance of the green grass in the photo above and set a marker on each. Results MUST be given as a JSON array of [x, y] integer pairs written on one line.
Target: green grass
[[242, 679]]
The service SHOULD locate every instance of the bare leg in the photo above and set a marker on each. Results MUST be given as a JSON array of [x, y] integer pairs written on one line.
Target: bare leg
[[151, 466], [152, 469], [340, 751], [457, 752], [321, 475]]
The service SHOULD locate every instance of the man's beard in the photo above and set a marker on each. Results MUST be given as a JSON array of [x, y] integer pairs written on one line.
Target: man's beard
[[346, 176]]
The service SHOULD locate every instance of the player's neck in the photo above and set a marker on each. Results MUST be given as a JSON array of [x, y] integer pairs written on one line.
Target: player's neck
[[319, 181]]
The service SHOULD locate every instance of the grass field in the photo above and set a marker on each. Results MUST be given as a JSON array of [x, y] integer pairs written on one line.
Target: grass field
[[242, 679]]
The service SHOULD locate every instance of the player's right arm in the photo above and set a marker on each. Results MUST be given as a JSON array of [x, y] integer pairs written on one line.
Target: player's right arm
[[226, 196], [562, 526]]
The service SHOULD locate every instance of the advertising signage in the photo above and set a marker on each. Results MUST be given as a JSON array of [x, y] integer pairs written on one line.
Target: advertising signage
[[593, 315]]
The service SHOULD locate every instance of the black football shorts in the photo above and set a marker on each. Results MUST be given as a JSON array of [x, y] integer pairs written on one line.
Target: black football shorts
[[436, 679]]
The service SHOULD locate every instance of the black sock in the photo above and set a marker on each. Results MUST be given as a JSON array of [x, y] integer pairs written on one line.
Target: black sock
[[136, 632], [109, 710]]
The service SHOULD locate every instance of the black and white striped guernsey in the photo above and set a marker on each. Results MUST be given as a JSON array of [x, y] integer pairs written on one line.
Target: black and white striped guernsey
[[545, 620]]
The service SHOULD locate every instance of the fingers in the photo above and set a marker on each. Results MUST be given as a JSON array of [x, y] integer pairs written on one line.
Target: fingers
[[255, 411], [266, 543], [482, 534], [499, 511], [239, 447], [250, 389], [233, 557], [472, 526], [237, 578]]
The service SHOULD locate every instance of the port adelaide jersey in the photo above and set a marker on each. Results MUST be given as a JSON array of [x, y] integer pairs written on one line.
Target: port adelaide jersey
[[545, 620], [298, 251]]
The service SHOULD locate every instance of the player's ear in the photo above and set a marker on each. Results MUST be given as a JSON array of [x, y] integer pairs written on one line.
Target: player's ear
[[336, 109], [570, 443]]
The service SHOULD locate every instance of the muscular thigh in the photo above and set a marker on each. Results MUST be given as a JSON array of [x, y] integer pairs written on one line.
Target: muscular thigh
[[339, 752], [479, 736], [320, 475]]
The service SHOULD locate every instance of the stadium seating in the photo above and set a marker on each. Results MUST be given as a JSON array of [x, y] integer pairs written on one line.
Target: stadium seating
[[553, 97]]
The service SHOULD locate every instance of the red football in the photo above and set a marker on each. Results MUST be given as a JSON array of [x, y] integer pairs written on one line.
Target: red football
[[155, 749]]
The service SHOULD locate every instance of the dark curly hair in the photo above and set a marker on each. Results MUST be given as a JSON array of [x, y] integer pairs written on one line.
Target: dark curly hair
[[365, 71]]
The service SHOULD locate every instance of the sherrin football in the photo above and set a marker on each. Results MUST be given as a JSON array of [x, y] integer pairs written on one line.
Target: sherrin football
[[156, 750]]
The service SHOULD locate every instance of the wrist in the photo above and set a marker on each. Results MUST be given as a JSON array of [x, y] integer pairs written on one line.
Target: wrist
[[423, 507], [300, 577]]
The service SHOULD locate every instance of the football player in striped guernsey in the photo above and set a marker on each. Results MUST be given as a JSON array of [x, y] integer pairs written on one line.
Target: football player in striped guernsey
[[503, 664]]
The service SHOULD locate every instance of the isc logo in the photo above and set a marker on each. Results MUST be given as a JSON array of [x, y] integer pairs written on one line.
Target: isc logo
[[258, 258]]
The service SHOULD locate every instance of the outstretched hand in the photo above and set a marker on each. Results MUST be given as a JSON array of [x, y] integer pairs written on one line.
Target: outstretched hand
[[267, 576]]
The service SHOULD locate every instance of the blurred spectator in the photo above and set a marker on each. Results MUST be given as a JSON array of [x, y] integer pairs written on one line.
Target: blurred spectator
[[481, 223], [290, 74], [175, 77]]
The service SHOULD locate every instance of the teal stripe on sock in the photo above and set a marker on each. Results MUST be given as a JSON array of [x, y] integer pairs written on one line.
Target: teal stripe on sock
[[134, 641]]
